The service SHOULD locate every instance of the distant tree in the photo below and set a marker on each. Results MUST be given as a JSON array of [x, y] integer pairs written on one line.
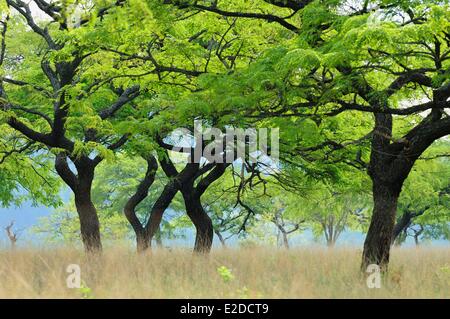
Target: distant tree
[[12, 235], [335, 211], [424, 205]]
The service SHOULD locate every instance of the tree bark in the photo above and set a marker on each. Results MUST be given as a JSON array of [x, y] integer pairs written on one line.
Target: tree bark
[[89, 222], [158, 209], [390, 164], [81, 185], [142, 241], [200, 219], [379, 236], [142, 236], [387, 171], [158, 238]]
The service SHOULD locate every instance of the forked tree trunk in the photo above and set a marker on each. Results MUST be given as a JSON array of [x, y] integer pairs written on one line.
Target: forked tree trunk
[[391, 161]]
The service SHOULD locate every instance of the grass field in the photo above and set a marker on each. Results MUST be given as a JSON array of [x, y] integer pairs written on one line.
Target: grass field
[[243, 273]]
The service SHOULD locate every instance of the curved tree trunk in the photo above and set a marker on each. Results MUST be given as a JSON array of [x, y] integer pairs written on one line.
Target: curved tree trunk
[[406, 220], [200, 219], [158, 209], [390, 164], [81, 185], [142, 236]]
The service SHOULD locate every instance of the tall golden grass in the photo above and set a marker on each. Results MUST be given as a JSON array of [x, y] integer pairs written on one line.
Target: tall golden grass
[[249, 273]]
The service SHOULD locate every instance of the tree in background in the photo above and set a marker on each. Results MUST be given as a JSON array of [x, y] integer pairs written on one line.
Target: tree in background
[[338, 213], [424, 203]]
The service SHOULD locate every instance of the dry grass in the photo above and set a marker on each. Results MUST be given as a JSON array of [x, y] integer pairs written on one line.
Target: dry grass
[[257, 272]]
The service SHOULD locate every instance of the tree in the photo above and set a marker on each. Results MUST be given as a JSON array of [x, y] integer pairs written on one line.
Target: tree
[[228, 217], [50, 97], [384, 62], [128, 186], [182, 48], [337, 214], [12, 235]]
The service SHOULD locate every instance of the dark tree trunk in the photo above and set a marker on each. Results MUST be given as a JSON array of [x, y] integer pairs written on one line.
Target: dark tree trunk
[[89, 222], [379, 236], [406, 220], [417, 235], [143, 238], [387, 171], [142, 241], [158, 209], [200, 219], [81, 185], [184, 181], [400, 238]]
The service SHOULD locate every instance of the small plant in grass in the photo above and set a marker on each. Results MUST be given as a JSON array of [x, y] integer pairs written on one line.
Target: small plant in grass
[[85, 291], [225, 273], [445, 269]]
